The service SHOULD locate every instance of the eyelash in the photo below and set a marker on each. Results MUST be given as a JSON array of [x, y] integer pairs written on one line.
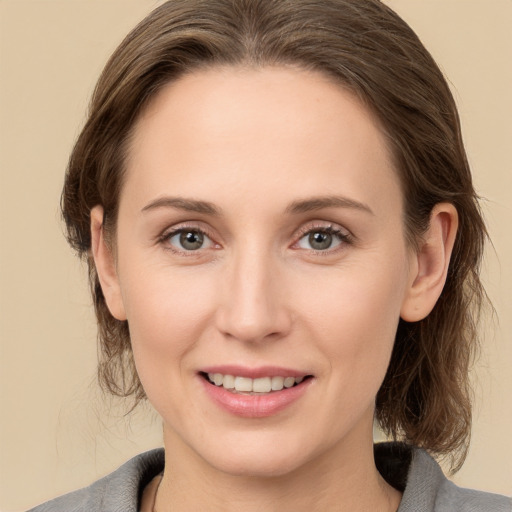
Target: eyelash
[[165, 238], [344, 238]]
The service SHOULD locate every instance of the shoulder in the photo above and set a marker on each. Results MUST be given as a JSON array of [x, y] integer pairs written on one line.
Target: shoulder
[[426, 489], [451, 497], [117, 491], [426, 484]]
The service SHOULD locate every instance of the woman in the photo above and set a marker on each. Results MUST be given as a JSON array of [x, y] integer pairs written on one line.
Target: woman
[[284, 242]]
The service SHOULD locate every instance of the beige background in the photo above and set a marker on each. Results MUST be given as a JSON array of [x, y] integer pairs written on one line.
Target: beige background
[[55, 434]]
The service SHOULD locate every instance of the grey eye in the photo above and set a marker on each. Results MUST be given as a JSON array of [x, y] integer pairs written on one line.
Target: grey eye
[[189, 240], [320, 240]]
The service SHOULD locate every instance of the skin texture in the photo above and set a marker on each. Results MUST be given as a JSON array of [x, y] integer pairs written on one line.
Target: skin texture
[[253, 144]]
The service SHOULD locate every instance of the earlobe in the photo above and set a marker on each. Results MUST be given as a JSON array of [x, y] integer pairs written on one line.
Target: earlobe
[[105, 266], [432, 259]]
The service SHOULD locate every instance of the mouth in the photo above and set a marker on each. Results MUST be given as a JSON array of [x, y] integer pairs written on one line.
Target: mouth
[[258, 386], [254, 392]]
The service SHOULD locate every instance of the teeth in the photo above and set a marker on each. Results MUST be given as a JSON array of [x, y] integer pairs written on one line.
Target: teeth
[[243, 384], [259, 385], [263, 385], [229, 382], [277, 383], [289, 382]]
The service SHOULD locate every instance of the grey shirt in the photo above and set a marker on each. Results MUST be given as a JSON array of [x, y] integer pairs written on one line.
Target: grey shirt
[[411, 470]]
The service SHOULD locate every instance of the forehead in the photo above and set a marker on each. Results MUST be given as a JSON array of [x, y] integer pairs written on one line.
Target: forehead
[[267, 128]]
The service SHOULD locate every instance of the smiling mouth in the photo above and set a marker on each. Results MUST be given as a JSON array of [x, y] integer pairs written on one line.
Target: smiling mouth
[[247, 386]]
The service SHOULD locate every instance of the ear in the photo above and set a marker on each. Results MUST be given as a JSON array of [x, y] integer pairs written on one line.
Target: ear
[[431, 261], [106, 266]]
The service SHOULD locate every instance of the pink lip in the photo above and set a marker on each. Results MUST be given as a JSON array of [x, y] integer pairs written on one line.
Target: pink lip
[[254, 373], [254, 406]]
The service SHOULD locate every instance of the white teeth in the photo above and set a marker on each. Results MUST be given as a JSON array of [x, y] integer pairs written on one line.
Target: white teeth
[[243, 384], [277, 383], [289, 382], [248, 385], [229, 382], [263, 385]]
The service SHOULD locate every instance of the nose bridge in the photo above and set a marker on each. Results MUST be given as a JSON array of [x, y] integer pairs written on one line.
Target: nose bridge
[[252, 308]]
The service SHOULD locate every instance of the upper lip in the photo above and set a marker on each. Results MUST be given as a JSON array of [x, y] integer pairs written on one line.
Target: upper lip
[[254, 372]]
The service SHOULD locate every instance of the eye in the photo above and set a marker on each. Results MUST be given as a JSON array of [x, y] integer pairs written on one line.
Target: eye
[[188, 240], [322, 239]]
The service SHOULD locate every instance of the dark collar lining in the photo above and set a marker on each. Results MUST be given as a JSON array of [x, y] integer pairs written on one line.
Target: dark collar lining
[[393, 461]]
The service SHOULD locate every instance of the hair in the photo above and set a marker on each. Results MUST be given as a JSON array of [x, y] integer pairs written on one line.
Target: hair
[[368, 49]]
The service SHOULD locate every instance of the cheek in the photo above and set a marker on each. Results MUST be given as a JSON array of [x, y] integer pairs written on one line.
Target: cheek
[[355, 315], [167, 312]]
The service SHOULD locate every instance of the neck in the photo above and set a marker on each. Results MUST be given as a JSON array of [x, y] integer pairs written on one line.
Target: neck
[[345, 479]]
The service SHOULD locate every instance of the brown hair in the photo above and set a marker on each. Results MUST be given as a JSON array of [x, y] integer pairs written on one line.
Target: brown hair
[[366, 47]]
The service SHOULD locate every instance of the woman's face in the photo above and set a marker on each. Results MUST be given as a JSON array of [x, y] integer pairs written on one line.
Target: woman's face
[[260, 240]]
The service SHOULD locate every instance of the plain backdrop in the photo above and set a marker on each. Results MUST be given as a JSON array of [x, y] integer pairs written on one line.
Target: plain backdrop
[[57, 431]]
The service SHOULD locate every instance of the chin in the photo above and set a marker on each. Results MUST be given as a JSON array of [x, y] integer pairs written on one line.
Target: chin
[[258, 458], [258, 467]]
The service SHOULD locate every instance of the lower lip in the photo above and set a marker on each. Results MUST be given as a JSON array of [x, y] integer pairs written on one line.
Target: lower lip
[[255, 406]]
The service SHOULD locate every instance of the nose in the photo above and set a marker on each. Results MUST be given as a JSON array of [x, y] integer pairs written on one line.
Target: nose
[[253, 299]]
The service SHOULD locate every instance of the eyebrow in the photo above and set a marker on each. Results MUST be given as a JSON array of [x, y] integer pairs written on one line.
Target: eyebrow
[[296, 207], [180, 203], [318, 203]]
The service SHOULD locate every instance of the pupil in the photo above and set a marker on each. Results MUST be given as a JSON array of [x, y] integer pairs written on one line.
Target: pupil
[[320, 241], [191, 240]]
